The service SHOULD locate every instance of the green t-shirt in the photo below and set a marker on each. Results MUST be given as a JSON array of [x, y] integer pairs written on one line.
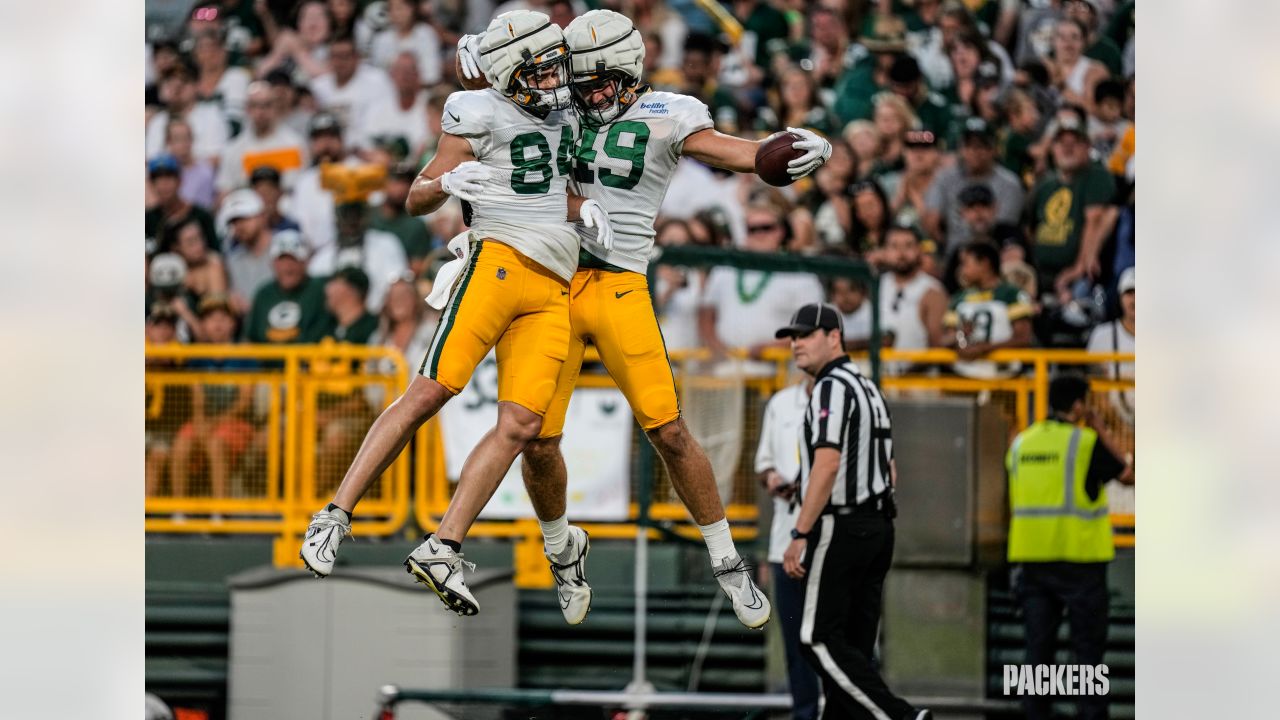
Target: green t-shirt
[[768, 23], [854, 89], [1108, 53], [1013, 150], [412, 232], [935, 114], [280, 317], [1057, 214], [357, 333]]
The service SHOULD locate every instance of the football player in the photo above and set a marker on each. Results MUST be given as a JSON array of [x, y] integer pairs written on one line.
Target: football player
[[630, 141], [505, 151]]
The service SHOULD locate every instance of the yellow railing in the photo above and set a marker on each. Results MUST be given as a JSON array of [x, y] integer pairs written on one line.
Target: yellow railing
[[311, 407]]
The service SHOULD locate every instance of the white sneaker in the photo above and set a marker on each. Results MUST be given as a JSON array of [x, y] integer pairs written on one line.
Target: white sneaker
[[320, 544], [437, 566], [569, 568], [749, 604]]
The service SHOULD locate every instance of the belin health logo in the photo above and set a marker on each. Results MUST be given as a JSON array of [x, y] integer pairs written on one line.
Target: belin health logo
[[1056, 680]]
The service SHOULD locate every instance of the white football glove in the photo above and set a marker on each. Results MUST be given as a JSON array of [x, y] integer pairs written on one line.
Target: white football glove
[[816, 148], [593, 215], [466, 181], [469, 56]]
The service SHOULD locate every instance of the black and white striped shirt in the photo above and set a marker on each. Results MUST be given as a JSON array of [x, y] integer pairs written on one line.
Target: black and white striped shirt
[[848, 413]]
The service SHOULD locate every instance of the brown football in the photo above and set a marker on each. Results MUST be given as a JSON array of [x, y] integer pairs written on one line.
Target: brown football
[[479, 83], [773, 155]]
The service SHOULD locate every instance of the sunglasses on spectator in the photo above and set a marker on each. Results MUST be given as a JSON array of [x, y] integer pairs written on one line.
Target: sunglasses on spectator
[[762, 228]]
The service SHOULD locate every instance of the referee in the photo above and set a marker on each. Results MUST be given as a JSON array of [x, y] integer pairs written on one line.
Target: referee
[[843, 538]]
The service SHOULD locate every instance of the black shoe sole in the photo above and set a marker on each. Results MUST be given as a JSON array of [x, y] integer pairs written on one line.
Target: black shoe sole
[[451, 600]]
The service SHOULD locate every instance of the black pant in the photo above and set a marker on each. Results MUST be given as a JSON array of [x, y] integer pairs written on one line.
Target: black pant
[[847, 560], [1045, 589], [788, 602]]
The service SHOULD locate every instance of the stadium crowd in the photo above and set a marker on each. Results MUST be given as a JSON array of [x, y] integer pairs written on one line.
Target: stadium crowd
[[983, 161]]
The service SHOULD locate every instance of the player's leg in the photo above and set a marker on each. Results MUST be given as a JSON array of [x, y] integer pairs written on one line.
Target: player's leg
[[531, 351], [633, 351], [546, 478], [472, 321]]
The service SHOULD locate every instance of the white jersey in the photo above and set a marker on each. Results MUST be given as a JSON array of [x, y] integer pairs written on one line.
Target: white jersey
[[525, 205], [627, 166]]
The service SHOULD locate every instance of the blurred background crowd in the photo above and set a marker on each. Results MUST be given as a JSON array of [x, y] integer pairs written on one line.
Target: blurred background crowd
[[983, 161]]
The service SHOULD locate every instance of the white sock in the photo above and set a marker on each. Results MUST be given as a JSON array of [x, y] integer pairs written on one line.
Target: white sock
[[555, 534], [719, 541]]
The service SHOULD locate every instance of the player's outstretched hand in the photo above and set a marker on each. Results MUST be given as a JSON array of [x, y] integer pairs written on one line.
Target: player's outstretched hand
[[466, 181], [816, 148], [593, 215], [469, 56]]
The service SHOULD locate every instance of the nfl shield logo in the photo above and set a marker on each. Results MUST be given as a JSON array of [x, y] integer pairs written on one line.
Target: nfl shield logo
[[502, 273]]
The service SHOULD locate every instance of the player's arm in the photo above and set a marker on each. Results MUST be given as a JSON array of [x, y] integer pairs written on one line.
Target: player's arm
[[723, 151], [591, 214], [436, 182], [822, 477]]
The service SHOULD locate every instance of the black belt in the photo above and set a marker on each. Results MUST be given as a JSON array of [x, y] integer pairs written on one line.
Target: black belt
[[882, 506]]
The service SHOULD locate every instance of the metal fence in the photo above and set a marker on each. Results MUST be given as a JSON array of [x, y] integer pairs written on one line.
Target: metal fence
[[253, 439]]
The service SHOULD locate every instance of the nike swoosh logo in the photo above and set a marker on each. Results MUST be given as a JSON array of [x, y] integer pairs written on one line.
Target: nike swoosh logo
[[620, 294], [455, 117]]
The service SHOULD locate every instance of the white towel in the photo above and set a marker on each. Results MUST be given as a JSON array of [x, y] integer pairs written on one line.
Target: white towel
[[442, 288]]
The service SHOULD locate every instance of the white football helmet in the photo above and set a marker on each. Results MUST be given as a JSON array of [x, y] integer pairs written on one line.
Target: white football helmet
[[522, 50], [606, 52]]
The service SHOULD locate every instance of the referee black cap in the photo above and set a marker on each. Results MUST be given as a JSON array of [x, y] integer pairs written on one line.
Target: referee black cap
[[814, 316]]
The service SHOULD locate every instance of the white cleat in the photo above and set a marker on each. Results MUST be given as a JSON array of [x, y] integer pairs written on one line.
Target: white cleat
[[749, 604], [437, 566], [320, 544], [569, 568]]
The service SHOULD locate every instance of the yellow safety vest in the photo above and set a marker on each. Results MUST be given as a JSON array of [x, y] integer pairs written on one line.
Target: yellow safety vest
[[1053, 518]]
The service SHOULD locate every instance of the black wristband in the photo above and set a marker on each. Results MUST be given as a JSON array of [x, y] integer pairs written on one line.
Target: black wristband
[[797, 535]]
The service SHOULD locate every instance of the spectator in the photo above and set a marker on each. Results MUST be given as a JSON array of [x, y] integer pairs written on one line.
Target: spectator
[[218, 427], [954, 21], [850, 298], [344, 298], [832, 216], [350, 89], [169, 406], [912, 302], [871, 220], [871, 62], [1071, 213], [1035, 31], [1073, 74], [391, 217], [797, 105], [290, 308], [1107, 124], [379, 253], [208, 123], [909, 188], [397, 124], [264, 141], [406, 324], [763, 21], [967, 54], [678, 289], [1118, 336], [167, 290], [977, 164], [777, 465], [249, 261], [206, 274], [170, 209], [1101, 48], [312, 204], [407, 33], [893, 119], [662, 77], [346, 21], [1016, 140], [701, 67], [906, 81], [830, 43], [986, 315], [219, 84], [288, 102], [743, 308], [265, 181], [864, 140], [196, 186], [301, 52], [978, 208]]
